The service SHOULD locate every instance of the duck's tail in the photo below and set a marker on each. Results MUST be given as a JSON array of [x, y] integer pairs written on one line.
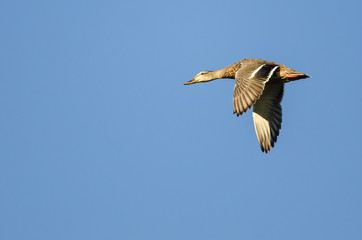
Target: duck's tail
[[295, 76]]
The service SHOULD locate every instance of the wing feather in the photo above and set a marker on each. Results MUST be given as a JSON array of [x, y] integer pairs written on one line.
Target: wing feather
[[267, 114], [250, 81]]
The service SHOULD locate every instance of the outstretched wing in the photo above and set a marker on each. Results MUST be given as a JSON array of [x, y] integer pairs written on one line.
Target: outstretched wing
[[250, 81], [267, 114]]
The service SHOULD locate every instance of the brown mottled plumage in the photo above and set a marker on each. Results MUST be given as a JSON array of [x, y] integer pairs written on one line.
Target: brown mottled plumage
[[258, 83]]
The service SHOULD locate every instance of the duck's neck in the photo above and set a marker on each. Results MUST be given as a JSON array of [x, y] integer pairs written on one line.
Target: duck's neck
[[229, 71], [216, 74]]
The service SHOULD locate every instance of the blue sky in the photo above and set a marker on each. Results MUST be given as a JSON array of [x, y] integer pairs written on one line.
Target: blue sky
[[100, 139]]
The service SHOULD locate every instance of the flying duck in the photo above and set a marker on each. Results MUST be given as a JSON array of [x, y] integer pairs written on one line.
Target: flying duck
[[258, 83]]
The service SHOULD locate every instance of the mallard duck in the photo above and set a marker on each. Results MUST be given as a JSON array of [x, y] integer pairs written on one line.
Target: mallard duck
[[258, 83]]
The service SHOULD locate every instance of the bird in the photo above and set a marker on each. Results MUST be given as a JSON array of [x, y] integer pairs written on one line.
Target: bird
[[258, 84]]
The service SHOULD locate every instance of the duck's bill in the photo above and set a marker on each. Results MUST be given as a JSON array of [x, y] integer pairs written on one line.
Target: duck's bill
[[190, 82]]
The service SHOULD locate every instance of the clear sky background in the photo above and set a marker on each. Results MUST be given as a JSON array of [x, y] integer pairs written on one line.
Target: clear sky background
[[100, 139]]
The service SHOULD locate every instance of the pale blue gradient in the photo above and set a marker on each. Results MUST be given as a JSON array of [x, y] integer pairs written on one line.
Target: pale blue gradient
[[100, 139]]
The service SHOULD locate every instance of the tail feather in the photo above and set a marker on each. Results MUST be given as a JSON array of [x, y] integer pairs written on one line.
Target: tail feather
[[295, 76]]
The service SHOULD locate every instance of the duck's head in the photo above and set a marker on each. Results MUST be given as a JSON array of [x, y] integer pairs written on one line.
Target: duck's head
[[204, 76]]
